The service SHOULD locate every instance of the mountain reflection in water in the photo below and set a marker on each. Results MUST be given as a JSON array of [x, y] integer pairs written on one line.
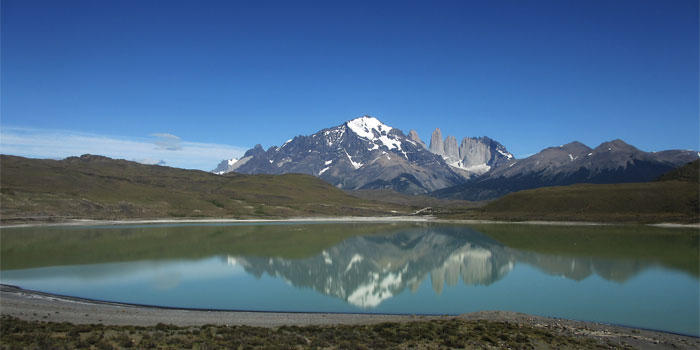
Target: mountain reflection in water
[[630, 275], [367, 270]]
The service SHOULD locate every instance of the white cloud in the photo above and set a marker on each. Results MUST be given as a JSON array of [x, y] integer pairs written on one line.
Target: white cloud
[[168, 142], [164, 149]]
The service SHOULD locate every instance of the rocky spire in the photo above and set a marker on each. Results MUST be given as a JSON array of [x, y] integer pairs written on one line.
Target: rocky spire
[[436, 145], [451, 149]]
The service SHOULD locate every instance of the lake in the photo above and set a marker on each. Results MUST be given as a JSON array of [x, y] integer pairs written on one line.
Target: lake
[[628, 275]]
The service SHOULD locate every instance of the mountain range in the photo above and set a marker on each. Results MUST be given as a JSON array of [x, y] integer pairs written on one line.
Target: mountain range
[[362, 153], [365, 153], [609, 163]]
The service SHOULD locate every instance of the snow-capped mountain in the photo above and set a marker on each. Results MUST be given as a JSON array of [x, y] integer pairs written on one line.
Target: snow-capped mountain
[[358, 154], [474, 156], [611, 162]]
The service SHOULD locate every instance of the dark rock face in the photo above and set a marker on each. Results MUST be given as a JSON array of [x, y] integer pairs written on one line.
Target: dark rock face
[[611, 162], [359, 154]]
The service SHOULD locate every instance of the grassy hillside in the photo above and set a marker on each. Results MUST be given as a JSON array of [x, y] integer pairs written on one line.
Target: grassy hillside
[[689, 172], [97, 187], [674, 198]]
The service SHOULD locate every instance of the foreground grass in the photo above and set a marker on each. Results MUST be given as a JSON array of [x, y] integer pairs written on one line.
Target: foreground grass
[[436, 334]]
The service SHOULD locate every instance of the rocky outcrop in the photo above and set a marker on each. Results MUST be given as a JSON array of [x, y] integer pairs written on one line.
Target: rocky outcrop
[[473, 156]]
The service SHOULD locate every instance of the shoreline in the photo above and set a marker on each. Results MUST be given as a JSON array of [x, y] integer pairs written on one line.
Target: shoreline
[[36, 306], [336, 219]]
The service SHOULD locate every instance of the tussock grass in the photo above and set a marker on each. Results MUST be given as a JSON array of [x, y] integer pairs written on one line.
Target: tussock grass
[[436, 334]]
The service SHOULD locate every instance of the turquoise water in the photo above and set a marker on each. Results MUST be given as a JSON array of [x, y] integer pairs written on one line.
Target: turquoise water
[[412, 269]]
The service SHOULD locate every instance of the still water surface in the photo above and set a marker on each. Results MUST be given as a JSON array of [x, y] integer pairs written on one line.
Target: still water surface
[[636, 276]]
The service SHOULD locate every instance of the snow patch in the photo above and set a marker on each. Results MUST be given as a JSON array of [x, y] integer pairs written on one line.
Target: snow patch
[[376, 291], [476, 169], [328, 162], [505, 154], [355, 259], [327, 258], [356, 165], [571, 157], [323, 170]]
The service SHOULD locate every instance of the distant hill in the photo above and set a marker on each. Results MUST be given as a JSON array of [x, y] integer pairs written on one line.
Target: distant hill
[[673, 200], [689, 172], [609, 163], [98, 187]]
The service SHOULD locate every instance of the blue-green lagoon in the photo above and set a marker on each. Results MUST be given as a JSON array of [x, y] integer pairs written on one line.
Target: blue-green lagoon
[[629, 275]]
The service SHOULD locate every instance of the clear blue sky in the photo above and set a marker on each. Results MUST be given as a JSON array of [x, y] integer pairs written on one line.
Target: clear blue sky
[[220, 74]]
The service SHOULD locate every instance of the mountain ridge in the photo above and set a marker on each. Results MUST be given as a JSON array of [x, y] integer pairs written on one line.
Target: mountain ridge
[[361, 153], [364, 153], [610, 162]]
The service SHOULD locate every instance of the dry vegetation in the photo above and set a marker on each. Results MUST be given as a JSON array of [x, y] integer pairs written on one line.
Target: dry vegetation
[[436, 334], [97, 187]]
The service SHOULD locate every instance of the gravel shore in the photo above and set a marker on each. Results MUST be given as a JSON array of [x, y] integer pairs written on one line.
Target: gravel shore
[[37, 306]]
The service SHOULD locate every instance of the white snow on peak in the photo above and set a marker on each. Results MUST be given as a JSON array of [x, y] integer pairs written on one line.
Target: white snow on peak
[[323, 170], [372, 129], [328, 162], [571, 157], [364, 127]]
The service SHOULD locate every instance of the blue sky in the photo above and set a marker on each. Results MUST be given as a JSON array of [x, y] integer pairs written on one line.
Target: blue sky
[[217, 77]]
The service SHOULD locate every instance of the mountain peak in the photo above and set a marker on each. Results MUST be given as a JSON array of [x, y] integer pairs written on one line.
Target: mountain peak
[[366, 125], [616, 145], [413, 136]]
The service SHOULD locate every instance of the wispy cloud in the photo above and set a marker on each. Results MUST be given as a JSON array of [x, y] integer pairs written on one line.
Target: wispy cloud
[[160, 148], [168, 142]]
